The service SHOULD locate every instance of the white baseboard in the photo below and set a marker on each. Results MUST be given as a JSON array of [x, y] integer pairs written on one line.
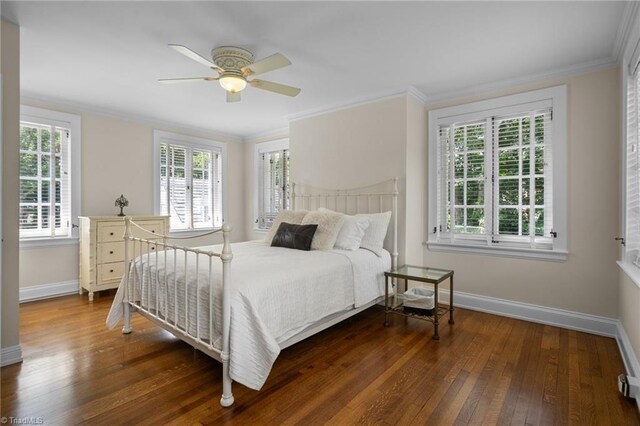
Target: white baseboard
[[46, 291], [10, 355], [594, 324], [631, 363]]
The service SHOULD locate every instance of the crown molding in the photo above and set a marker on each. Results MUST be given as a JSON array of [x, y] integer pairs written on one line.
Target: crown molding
[[268, 135], [630, 15], [78, 107], [417, 95], [576, 69], [571, 70], [364, 100]]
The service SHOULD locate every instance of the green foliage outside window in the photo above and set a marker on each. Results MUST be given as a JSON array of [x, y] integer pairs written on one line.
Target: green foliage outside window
[[512, 176]]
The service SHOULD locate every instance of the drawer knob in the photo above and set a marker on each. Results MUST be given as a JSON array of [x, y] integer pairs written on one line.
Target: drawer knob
[[153, 248], [111, 270], [111, 233], [153, 232], [111, 252]]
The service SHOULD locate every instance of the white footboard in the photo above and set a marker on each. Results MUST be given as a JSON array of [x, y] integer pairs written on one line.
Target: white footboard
[[168, 305]]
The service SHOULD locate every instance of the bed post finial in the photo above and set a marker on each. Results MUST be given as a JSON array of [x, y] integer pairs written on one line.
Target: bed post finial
[[226, 256], [293, 196], [127, 263]]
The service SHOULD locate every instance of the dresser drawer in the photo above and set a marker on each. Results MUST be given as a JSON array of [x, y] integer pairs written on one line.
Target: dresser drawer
[[156, 227], [138, 248], [109, 232], [102, 248], [110, 252], [109, 272]]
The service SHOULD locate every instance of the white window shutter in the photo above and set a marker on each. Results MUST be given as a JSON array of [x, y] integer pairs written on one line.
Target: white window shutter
[[45, 180], [273, 193], [632, 238], [494, 180], [190, 183]]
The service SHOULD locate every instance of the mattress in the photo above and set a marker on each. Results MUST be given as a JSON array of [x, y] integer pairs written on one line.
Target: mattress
[[275, 293]]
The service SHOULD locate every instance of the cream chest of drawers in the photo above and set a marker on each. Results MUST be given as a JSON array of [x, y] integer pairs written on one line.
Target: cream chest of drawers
[[102, 248]]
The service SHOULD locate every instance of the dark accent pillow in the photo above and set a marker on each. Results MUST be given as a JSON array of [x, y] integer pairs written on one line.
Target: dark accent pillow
[[297, 237]]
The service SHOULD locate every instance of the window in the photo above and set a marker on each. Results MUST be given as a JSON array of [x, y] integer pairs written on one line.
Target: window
[[632, 199], [189, 181], [272, 168], [497, 175], [49, 174]]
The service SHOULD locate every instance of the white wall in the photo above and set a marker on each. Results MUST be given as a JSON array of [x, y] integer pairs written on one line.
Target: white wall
[[417, 143], [376, 141], [10, 69], [629, 303], [117, 159], [587, 281], [353, 147]]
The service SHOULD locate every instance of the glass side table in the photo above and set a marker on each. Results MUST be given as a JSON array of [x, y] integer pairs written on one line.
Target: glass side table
[[394, 303]]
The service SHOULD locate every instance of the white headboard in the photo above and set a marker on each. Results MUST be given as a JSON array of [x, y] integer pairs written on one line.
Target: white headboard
[[377, 198]]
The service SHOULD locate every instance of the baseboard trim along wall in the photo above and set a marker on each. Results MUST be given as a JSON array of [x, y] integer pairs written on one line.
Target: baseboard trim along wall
[[46, 291], [594, 324], [10, 355], [631, 363]]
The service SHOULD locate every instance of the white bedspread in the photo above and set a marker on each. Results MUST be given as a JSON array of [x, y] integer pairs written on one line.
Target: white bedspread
[[276, 293]]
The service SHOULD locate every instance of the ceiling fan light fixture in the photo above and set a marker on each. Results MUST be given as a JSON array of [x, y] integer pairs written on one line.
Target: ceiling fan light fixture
[[232, 83]]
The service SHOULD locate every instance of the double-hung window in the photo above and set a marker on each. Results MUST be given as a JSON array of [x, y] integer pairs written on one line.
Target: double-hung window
[[497, 176], [49, 174], [272, 169], [189, 181]]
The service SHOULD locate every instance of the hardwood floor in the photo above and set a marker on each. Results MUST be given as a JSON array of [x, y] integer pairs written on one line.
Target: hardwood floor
[[485, 369]]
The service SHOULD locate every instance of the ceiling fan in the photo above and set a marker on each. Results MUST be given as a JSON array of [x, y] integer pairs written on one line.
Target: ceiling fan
[[234, 65]]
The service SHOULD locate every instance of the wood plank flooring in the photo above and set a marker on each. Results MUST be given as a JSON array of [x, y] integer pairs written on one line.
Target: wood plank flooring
[[485, 369]]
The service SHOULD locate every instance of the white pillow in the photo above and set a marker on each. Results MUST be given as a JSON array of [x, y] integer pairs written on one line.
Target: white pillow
[[329, 224], [290, 216], [351, 233], [373, 239]]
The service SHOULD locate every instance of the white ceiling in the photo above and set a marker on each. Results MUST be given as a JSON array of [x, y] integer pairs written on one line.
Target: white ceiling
[[108, 55]]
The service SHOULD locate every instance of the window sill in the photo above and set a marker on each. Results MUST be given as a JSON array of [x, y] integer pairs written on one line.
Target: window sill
[[260, 230], [520, 253], [48, 242], [632, 271]]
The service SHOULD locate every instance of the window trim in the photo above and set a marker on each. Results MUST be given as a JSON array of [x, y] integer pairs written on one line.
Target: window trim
[[503, 106], [160, 136], [74, 123], [631, 58], [260, 148]]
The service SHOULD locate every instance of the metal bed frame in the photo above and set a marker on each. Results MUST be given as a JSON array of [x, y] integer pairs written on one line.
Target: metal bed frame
[[339, 200]]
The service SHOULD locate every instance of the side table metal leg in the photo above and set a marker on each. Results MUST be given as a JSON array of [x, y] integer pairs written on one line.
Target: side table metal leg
[[436, 336], [386, 301], [451, 321]]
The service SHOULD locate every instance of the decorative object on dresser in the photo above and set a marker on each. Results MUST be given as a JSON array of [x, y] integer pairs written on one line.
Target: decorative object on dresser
[[102, 249], [121, 202]]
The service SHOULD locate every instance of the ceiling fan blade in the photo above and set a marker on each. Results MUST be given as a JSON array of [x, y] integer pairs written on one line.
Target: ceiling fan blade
[[195, 56], [233, 97], [186, 80], [267, 64], [275, 87]]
